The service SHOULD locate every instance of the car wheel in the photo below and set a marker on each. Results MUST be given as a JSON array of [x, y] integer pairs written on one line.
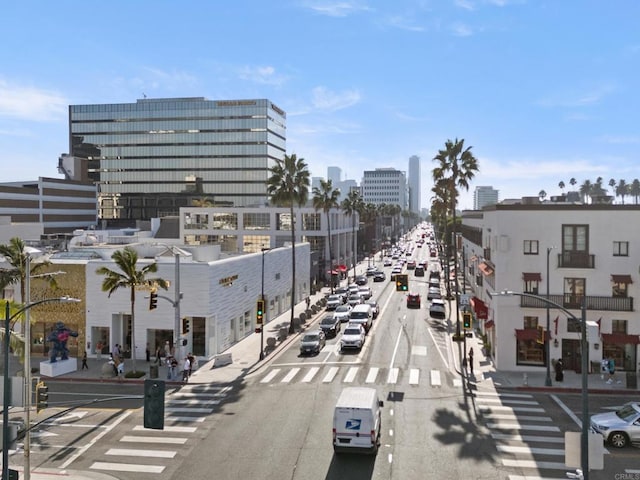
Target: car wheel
[[618, 439]]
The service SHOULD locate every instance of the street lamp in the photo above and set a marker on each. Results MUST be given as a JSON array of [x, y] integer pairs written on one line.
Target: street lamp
[[584, 351], [264, 251], [177, 296], [547, 338], [7, 397]]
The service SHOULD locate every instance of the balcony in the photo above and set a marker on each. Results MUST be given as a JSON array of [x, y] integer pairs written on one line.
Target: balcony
[[574, 302], [571, 259]]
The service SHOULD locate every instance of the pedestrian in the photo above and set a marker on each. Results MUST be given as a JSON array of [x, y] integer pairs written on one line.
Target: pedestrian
[[158, 355], [559, 371], [167, 349], [612, 369], [308, 302], [99, 347], [471, 360], [120, 370], [116, 352], [168, 362], [186, 369], [604, 368], [84, 361], [112, 362], [148, 353], [192, 361]]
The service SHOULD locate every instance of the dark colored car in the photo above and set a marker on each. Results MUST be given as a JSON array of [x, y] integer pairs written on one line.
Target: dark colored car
[[419, 271], [437, 310], [312, 343], [379, 277], [361, 280], [413, 300], [330, 325], [434, 292]]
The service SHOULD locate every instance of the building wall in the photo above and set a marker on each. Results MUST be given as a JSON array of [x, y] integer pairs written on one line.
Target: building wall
[[415, 183], [506, 228], [385, 185]]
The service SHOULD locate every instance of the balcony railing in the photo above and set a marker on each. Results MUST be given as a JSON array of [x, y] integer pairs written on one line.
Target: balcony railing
[[594, 302], [576, 260]]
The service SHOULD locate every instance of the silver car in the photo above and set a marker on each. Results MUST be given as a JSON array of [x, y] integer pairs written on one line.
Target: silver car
[[312, 343], [343, 313], [619, 428]]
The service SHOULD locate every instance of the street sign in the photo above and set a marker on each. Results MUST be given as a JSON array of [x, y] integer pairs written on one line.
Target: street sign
[[465, 299]]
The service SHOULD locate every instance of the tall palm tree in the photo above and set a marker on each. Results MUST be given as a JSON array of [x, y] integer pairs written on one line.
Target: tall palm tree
[[634, 190], [586, 190], [456, 167], [131, 278], [572, 182], [325, 198], [350, 206], [542, 194], [288, 186], [622, 189], [561, 185]]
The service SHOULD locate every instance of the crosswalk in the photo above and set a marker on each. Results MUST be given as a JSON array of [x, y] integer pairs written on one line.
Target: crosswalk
[[144, 450], [525, 435], [358, 375]]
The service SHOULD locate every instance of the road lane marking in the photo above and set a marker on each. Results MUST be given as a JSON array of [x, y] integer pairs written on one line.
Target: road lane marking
[[289, 376], [436, 381], [525, 450], [167, 428], [485, 393], [414, 376], [184, 419], [392, 378], [270, 375], [188, 410], [128, 452], [143, 439], [489, 408], [351, 375], [506, 400], [534, 464], [499, 416], [518, 426], [333, 371], [310, 374], [420, 350], [127, 467], [526, 438], [372, 375]]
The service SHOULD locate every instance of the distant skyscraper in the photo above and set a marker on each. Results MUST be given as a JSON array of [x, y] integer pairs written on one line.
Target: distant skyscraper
[[334, 174], [483, 196], [414, 184], [385, 185]]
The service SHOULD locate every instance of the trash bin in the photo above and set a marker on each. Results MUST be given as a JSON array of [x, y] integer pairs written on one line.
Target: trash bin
[[153, 371], [632, 380]]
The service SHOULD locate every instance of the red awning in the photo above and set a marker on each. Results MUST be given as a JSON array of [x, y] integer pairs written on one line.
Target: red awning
[[529, 334], [621, 279], [481, 308], [486, 268], [489, 324], [531, 277], [342, 268], [620, 338]]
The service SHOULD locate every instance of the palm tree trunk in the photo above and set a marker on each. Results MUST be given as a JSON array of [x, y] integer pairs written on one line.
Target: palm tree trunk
[[355, 245], [133, 329], [330, 250]]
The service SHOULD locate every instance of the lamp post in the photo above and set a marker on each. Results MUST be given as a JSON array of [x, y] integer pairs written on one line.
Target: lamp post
[[584, 351], [547, 337], [264, 313], [6, 384], [177, 296]]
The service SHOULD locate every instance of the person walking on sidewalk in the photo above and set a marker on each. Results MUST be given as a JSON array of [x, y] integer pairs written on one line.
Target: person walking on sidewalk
[[559, 370], [470, 362], [84, 361], [308, 302]]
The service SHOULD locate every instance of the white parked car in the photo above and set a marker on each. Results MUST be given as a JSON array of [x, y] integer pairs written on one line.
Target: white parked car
[[355, 299], [365, 292], [353, 337], [343, 313], [333, 301]]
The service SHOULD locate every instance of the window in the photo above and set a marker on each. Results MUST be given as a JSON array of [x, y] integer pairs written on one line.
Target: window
[[574, 290], [531, 286], [530, 322], [619, 290], [619, 326], [531, 247], [620, 249]]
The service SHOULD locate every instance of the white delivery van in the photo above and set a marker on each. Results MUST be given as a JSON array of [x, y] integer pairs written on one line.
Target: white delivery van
[[357, 421], [362, 314]]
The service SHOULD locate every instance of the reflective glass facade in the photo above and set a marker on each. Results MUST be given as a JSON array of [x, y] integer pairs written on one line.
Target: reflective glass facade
[[151, 157]]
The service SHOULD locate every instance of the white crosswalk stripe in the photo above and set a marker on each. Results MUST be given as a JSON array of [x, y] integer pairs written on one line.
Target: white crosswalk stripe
[[372, 375], [351, 374]]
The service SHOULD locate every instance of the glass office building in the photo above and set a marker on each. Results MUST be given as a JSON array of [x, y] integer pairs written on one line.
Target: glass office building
[[154, 156]]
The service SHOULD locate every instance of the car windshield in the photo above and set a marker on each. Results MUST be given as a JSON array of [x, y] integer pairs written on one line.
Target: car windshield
[[311, 337], [627, 413], [352, 331], [327, 321], [334, 298], [342, 308]]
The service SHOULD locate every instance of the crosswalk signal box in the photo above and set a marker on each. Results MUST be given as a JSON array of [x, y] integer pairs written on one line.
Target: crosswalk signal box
[[154, 404]]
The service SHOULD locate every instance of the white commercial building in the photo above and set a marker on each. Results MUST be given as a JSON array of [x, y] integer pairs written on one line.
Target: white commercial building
[[593, 254]]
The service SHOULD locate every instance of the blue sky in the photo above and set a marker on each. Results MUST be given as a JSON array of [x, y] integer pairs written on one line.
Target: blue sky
[[543, 90]]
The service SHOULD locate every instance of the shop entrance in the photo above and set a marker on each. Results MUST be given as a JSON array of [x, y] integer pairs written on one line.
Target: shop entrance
[[571, 355]]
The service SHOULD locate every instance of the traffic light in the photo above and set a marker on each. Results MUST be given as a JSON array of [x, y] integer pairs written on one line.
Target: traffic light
[[42, 396], [153, 300], [466, 320], [259, 311], [185, 326], [402, 282], [154, 404]]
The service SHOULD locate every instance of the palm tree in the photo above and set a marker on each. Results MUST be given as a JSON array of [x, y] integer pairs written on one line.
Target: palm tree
[[622, 189], [456, 167], [586, 189], [16, 341], [288, 186], [572, 182], [325, 198], [350, 206], [131, 278], [561, 185], [634, 191], [542, 194]]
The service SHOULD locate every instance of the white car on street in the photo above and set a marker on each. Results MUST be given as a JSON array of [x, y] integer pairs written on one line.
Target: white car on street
[[333, 301], [343, 313], [353, 337]]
